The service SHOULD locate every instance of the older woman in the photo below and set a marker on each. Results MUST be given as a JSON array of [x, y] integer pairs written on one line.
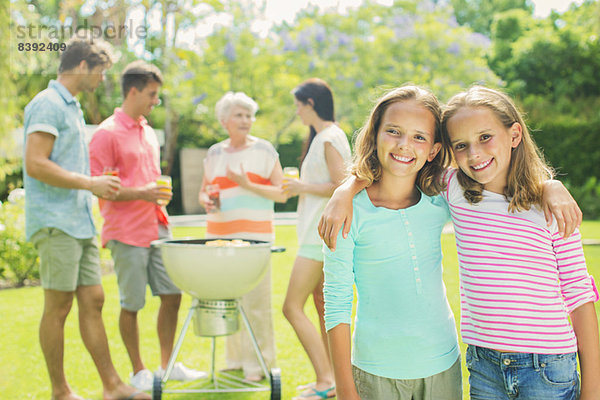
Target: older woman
[[249, 174]]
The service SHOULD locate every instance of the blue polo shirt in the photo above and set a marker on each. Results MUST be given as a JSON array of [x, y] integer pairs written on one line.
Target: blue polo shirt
[[404, 327], [55, 111]]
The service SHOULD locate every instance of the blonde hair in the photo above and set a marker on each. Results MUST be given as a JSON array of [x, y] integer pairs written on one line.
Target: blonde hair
[[366, 165], [527, 169]]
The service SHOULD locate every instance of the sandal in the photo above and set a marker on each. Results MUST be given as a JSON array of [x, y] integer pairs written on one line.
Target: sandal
[[301, 388], [318, 394]]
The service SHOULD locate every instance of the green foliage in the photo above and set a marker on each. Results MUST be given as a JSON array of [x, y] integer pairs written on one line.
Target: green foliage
[[18, 263], [587, 197], [479, 14], [554, 57], [549, 64], [564, 140], [11, 176]]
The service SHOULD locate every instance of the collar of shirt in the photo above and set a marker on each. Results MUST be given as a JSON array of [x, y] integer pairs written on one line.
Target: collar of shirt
[[124, 119], [63, 91]]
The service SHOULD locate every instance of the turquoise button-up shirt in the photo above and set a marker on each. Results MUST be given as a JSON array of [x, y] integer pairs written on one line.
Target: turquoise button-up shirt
[[404, 327], [57, 112]]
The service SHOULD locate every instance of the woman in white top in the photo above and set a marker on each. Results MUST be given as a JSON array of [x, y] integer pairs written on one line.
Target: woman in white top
[[323, 168]]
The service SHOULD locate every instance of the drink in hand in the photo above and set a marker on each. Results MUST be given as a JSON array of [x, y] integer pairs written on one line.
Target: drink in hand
[[112, 171], [214, 194], [291, 173], [164, 180]]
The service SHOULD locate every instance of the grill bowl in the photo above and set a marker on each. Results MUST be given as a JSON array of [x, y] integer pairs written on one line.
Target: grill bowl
[[214, 273]]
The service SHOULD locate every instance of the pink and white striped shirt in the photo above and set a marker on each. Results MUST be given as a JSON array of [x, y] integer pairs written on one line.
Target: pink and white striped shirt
[[519, 279]]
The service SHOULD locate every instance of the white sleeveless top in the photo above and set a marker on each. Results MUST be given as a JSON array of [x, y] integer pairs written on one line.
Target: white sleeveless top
[[314, 170]]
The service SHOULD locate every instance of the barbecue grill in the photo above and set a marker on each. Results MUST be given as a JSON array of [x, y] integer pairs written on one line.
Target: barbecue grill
[[216, 277]]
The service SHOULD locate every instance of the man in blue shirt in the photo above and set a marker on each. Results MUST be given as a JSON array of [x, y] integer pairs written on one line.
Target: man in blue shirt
[[58, 209]]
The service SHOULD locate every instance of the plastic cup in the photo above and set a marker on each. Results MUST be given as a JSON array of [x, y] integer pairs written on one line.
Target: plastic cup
[[214, 194], [291, 173], [112, 171], [164, 180]]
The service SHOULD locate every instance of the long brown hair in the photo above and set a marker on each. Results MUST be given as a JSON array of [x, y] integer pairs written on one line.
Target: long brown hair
[[366, 165], [527, 169], [319, 91]]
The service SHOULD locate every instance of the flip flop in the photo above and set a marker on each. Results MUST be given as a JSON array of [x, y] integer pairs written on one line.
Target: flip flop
[[321, 394], [302, 388]]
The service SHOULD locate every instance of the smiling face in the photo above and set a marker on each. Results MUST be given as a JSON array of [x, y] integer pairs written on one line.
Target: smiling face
[[482, 146], [405, 139], [147, 98], [239, 121]]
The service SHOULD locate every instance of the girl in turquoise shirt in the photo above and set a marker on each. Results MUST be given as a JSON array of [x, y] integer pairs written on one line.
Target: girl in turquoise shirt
[[405, 344]]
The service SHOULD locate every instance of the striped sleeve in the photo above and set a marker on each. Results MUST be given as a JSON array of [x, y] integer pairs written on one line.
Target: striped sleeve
[[576, 285]]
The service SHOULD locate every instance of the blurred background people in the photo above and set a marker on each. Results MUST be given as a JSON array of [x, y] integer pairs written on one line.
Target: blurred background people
[[242, 180], [125, 145], [323, 168], [58, 212]]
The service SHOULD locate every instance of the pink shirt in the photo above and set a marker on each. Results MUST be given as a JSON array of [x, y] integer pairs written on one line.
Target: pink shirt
[[132, 147], [519, 279]]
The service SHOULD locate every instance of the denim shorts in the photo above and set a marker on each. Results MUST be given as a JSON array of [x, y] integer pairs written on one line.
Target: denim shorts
[[495, 375]]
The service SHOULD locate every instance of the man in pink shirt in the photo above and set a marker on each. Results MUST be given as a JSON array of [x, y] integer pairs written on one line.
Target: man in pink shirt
[[126, 145]]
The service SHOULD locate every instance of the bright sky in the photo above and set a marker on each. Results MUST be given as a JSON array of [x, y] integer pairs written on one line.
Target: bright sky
[[278, 10]]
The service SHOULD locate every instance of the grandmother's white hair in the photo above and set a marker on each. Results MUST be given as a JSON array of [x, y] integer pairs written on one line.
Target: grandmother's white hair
[[230, 99]]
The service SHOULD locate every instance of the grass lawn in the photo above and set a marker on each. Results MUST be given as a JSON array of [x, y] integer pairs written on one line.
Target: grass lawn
[[23, 373]]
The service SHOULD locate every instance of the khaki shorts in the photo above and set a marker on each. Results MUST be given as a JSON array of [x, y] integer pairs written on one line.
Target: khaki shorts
[[66, 262], [137, 267], [446, 385]]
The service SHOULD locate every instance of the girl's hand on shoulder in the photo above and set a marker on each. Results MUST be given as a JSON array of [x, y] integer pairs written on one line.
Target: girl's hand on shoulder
[[337, 214], [558, 203]]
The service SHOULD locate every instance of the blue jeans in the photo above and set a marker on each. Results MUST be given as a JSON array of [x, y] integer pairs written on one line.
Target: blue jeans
[[495, 375]]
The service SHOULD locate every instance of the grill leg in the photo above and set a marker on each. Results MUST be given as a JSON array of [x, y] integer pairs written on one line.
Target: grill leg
[[212, 364], [259, 355], [175, 352]]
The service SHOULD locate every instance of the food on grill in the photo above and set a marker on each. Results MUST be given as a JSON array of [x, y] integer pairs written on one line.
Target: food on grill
[[227, 243]]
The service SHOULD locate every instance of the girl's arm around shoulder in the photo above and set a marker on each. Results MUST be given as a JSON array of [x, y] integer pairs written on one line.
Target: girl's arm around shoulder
[[338, 212], [339, 343], [339, 274], [557, 202], [585, 325]]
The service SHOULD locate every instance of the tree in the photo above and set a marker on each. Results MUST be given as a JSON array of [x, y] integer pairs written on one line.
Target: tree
[[479, 14], [556, 57]]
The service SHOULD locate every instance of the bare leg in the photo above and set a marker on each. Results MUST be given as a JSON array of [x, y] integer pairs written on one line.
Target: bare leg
[[305, 276], [319, 302], [57, 306], [91, 326], [166, 325], [128, 327]]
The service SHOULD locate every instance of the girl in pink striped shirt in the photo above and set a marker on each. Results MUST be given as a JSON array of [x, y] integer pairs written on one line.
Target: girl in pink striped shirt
[[520, 279]]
